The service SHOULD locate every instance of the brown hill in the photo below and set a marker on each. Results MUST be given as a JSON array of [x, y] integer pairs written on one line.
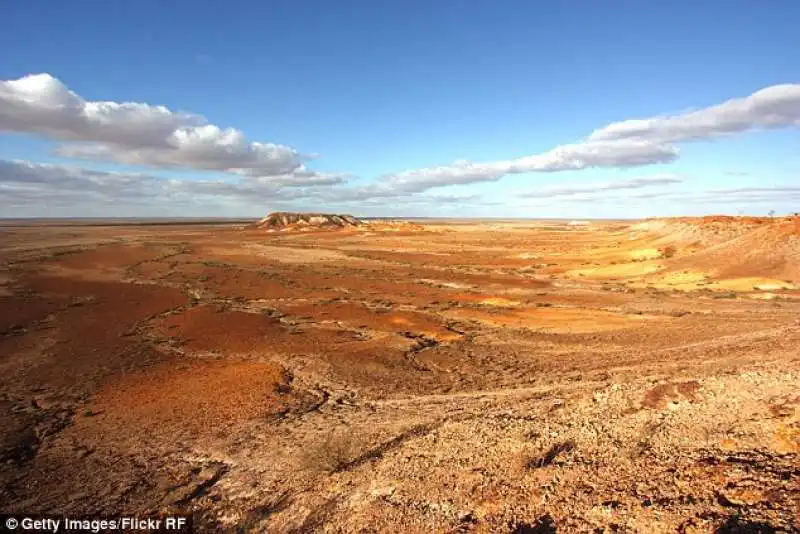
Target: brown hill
[[283, 220], [739, 246]]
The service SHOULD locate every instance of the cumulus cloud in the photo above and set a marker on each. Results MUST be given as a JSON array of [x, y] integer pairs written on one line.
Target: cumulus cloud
[[134, 133], [747, 195], [571, 157], [37, 184], [155, 136], [461, 172], [740, 195], [628, 143], [727, 194], [633, 183], [773, 107], [562, 158], [26, 180], [38, 188], [302, 177]]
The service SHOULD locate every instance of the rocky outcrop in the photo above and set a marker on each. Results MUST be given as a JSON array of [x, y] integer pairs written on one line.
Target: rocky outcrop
[[283, 220]]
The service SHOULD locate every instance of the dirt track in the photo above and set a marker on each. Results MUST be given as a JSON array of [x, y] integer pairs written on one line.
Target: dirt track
[[487, 377]]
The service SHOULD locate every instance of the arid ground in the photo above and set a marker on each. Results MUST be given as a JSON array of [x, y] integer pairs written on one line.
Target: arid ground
[[484, 376]]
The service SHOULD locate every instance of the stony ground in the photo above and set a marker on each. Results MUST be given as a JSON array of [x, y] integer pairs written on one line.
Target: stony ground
[[449, 377]]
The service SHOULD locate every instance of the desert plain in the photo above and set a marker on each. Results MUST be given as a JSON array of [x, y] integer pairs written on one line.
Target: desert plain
[[428, 376]]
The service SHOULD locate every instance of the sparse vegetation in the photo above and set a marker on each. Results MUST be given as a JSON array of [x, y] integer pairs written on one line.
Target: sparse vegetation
[[550, 455], [429, 394], [668, 251], [195, 294], [679, 313], [334, 453]]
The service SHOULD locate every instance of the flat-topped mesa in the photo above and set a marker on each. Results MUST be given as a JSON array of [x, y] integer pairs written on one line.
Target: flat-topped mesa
[[284, 220]]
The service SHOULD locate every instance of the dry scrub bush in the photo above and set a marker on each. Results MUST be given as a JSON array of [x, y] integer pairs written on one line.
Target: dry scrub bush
[[549, 456], [334, 454]]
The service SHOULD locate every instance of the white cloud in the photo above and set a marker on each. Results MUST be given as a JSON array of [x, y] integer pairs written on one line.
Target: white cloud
[[628, 143], [37, 184], [747, 195], [155, 136], [39, 188], [23, 179], [134, 133], [457, 174], [741, 195], [777, 106], [576, 156], [633, 183], [302, 177], [35, 189]]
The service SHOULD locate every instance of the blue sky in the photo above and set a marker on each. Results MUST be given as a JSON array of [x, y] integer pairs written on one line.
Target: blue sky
[[388, 95]]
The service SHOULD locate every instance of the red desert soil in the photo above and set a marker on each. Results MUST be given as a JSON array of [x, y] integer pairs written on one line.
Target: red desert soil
[[381, 319], [217, 330], [315, 374], [92, 334], [172, 399], [108, 257]]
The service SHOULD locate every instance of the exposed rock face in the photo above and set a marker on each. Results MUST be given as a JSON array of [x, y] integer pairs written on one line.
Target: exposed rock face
[[283, 220]]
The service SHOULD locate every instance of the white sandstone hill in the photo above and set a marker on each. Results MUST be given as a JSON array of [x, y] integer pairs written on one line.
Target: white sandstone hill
[[283, 220]]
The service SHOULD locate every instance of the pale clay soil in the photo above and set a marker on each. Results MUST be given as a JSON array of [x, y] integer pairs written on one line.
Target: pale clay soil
[[402, 377]]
